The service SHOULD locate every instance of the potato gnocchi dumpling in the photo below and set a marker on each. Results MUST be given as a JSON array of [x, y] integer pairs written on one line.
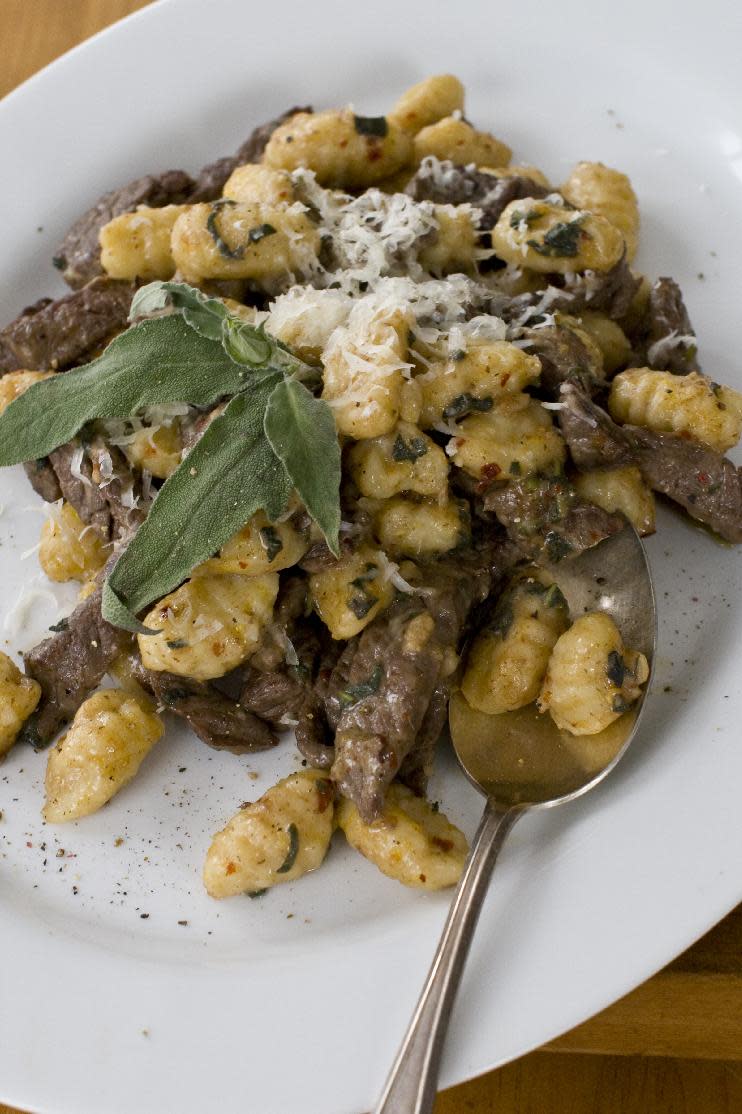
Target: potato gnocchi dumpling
[[363, 364], [137, 245], [453, 138], [254, 183], [609, 193], [608, 336], [410, 842], [513, 438], [280, 837], [16, 383], [620, 489], [409, 528], [350, 593], [158, 449], [427, 102], [547, 237], [472, 379], [111, 734], [244, 240], [591, 679], [209, 625], [344, 150], [70, 550], [259, 547], [508, 659], [19, 695], [691, 405], [405, 459], [453, 247]]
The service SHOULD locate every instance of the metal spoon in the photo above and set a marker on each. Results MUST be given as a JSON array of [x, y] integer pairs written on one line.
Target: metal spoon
[[521, 760]]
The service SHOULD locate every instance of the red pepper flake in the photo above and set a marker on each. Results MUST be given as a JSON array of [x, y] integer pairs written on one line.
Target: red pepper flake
[[443, 844], [703, 478], [29, 844], [231, 868]]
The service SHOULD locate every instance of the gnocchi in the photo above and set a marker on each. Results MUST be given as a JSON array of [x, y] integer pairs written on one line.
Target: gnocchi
[[19, 696], [16, 383], [70, 550], [508, 659], [137, 245], [479, 374], [453, 138], [405, 459], [427, 102], [514, 438], [690, 405], [591, 678], [259, 547], [159, 449], [620, 489], [409, 842], [110, 736], [607, 192], [280, 837], [547, 237], [209, 625], [349, 594], [406, 528]]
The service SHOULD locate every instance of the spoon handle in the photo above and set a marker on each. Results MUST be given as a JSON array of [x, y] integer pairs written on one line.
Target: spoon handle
[[412, 1083]]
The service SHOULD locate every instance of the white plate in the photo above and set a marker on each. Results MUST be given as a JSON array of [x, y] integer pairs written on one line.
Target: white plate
[[297, 1001]]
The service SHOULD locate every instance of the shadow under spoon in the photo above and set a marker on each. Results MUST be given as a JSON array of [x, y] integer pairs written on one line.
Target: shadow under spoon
[[520, 761]]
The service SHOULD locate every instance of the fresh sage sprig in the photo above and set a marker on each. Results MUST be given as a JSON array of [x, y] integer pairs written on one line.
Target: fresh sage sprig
[[273, 436]]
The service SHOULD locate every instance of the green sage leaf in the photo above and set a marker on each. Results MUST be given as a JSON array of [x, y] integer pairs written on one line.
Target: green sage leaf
[[302, 433], [231, 473], [202, 313], [156, 362]]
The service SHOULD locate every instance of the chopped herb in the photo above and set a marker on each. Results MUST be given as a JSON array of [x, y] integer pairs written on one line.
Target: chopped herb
[[502, 618], [459, 354], [372, 571], [515, 468], [176, 644], [361, 603], [325, 792], [529, 218], [271, 542], [255, 235], [408, 450], [556, 546], [465, 404], [554, 597], [30, 735], [560, 241], [371, 125], [211, 227], [59, 262], [299, 672], [353, 693], [60, 626], [288, 862], [620, 704], [616, 668], [435, 806], [257, 893]]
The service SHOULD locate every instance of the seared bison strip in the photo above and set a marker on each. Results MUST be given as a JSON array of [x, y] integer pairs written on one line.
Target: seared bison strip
[[564, 358], [417, 765], [70, 329], [69, 666], [43, 479], [547, 520], [218, 721], [78, 256], [447, 183], [671, 339], [397, 665], [705, 483], [611, 292], [107, 507]]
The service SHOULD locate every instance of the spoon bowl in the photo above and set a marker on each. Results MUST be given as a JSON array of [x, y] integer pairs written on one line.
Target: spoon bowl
[[521, 760]]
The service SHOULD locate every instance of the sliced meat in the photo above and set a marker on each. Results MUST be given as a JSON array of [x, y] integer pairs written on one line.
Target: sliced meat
[[43, 479], [547, 520], [398, 663], [69, 330], [418, 764], [671, 341], [218, 721], [594, 439], [69, 666], [211, 179], [114, 508], [705, 483], [611, 292], [446, 183], [564, 358], [78, 256]]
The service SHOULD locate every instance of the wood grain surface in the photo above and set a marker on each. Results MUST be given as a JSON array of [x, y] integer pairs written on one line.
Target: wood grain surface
[[673, 1046]]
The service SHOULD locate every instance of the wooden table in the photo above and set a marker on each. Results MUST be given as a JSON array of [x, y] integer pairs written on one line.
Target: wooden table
[[674, 1046]]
